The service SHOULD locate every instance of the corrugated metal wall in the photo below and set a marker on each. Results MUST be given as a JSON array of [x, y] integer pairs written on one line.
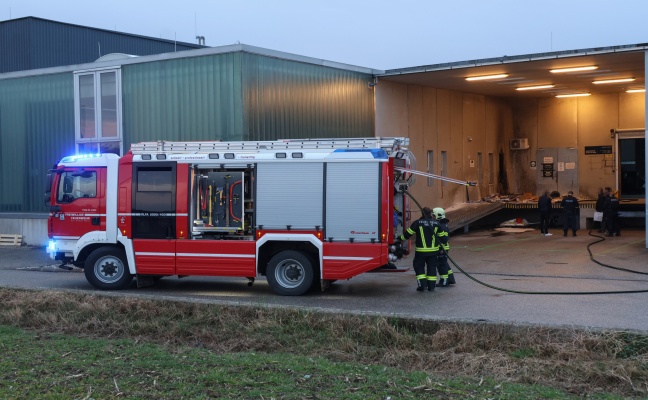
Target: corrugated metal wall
[[229, 97], [243, 96], [36, 130], [284, 99], [196, 98], [30, 43]]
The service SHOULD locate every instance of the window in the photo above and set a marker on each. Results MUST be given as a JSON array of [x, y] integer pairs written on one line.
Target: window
[[97, 102], [76, 184], [154, 190], [430, 167]]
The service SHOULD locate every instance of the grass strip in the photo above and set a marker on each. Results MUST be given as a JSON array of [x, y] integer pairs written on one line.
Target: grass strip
[[94, 346]]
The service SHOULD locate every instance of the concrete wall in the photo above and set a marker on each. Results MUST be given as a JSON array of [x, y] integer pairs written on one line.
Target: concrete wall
[[470, 128], [33, 228]]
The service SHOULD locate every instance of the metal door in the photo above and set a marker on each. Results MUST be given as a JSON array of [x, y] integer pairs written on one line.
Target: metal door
[[557, 170]]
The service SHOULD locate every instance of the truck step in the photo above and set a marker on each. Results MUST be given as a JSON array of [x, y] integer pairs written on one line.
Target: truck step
[[390, 268]]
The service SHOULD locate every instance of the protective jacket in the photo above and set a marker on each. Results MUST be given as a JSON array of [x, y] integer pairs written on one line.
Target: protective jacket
[[569, 204], [424, 229], [442, 233]]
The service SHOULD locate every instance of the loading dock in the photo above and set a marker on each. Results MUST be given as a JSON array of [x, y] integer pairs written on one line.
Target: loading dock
[[518, 132]]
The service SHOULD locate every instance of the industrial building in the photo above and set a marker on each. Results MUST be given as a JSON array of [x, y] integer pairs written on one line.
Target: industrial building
[[559, 121]]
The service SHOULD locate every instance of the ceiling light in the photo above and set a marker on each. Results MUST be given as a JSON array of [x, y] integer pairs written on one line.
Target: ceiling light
[[635, 90], [614, 81], [573, 69], [535, 87], [484, 77], [573, 95]]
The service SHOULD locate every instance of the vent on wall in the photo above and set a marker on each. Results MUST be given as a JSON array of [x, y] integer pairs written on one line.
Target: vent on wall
[[519, 144]]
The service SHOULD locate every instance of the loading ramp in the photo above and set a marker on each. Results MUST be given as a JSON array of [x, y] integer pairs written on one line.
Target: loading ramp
[[462, 215]]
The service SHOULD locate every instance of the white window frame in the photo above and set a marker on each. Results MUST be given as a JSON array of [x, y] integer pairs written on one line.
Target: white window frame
[[98, 139]]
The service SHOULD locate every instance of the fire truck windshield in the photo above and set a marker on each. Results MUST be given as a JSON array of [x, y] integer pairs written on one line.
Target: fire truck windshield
[[74, 185]]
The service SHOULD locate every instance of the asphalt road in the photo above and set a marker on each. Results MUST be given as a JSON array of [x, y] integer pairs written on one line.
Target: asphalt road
[[515, 261]]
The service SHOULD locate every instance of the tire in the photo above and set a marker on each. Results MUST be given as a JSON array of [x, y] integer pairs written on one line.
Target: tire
[[106, 269], [290, 273]]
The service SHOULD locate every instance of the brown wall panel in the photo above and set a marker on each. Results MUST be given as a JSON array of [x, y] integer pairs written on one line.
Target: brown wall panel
[[391, 109], [631, 110], [557, 122], [596, 116]]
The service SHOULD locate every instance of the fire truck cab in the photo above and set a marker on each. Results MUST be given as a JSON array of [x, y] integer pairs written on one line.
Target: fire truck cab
[[301, 212]]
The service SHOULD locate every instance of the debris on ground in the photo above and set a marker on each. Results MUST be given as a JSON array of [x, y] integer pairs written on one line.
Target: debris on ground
[[515, 223]]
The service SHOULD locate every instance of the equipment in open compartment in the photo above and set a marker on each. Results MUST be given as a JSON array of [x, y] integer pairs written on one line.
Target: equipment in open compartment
[[220, 201]]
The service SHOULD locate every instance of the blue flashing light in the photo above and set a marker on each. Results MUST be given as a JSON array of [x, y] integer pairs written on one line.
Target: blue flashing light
[[51, 246], [75, 158], [376, 153]]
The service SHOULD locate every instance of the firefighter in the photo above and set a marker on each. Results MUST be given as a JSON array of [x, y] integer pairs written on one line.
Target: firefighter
[[442, 243], [425, 250], [570, 210]]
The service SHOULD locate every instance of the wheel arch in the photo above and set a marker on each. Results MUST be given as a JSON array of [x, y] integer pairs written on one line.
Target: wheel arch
[[271, 244], [85, 252]]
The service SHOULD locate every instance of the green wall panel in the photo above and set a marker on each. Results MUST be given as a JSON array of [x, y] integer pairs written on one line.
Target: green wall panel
[[36, 130], [284, 99], [183, 99]]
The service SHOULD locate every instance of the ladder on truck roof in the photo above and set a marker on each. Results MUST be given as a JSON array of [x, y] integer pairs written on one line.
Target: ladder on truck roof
[[389, 144]]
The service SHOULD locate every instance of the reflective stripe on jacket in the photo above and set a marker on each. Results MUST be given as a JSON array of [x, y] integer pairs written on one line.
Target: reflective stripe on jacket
[[424, 229], [443, 233]]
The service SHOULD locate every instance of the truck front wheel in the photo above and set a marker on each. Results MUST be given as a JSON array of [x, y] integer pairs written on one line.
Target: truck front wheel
[[290, 273], [106, 269]]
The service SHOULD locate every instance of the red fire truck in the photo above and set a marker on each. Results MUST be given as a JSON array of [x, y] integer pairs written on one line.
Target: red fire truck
[[301, 212]]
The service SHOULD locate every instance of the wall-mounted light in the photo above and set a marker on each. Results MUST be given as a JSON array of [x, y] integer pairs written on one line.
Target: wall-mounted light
[[573, 69], [535, 87], [486, 77], [574, 95], [604, 81], [636, 91]]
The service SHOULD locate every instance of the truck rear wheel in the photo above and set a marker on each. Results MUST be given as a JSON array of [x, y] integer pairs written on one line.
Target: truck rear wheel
[[106, 269], [290, 273]]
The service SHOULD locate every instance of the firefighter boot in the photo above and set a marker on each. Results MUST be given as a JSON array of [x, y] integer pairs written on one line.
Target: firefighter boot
[[421, 285], [443, 281], [451, 278], [431, 285]]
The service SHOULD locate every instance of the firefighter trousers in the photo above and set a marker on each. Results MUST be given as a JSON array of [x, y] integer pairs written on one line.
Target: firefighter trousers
[[421, 260], [441, 264]]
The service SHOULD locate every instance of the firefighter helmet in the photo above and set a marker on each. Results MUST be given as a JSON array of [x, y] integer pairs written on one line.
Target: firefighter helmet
[[439, 213]]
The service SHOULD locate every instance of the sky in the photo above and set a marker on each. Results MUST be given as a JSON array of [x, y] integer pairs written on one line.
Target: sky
[[375, 34]]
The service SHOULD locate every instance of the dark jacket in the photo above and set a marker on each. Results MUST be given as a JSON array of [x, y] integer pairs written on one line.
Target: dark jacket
[[442, 237], [611, 205], [600, 203], [544, 203], [569, 204]]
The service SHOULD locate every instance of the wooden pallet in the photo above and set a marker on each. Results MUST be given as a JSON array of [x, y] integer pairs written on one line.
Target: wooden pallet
[[10, 239]]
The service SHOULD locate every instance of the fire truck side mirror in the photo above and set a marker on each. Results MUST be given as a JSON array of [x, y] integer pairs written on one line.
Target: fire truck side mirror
[[48, 189]]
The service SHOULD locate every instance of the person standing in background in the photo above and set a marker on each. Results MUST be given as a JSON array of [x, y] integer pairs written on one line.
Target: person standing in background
[[612, 214], [600, 208], [570, 210], [544, 205]]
